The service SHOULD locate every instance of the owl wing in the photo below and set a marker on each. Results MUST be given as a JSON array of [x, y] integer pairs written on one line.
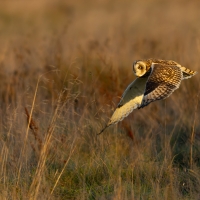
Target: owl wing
[[131, 99], [163, 80]]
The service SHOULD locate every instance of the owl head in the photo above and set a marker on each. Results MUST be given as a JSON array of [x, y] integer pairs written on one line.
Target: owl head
[[139, 68]]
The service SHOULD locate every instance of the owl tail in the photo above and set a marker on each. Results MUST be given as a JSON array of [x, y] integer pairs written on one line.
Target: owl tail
[[187, 73]]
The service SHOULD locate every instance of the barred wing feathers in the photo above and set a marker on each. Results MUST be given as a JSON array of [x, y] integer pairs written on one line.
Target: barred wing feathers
[[161, 83]]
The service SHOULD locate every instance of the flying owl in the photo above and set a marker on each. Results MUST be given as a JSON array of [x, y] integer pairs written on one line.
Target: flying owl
[[156, 79]]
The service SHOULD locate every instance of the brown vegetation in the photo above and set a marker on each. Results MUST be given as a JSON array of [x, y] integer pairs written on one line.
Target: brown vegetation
[[67, 63]]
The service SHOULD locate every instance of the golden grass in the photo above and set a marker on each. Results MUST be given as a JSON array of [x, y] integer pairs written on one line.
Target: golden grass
[[64, 66]]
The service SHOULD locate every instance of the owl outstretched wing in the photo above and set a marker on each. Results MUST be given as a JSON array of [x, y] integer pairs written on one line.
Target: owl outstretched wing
[[163, 80], [131, 99]]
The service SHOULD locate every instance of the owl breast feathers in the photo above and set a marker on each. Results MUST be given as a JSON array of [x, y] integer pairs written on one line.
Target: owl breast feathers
[[156, 80]]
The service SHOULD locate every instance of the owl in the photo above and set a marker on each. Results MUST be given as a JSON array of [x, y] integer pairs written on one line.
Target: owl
[[156, 79]]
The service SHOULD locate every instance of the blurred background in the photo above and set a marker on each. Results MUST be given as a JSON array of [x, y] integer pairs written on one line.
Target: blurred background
[[94, 37], [80, 53], [120, 31]]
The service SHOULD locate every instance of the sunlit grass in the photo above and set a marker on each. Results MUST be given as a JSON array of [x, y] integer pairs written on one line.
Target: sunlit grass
[[64, 67]]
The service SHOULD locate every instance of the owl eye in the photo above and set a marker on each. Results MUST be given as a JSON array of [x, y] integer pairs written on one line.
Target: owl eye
[[140, 67]]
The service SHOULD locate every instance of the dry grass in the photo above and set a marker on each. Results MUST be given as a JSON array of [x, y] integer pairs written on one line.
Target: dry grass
[[64, 66]]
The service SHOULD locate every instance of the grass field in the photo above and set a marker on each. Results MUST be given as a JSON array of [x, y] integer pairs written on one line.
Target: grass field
[[64, 66]]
